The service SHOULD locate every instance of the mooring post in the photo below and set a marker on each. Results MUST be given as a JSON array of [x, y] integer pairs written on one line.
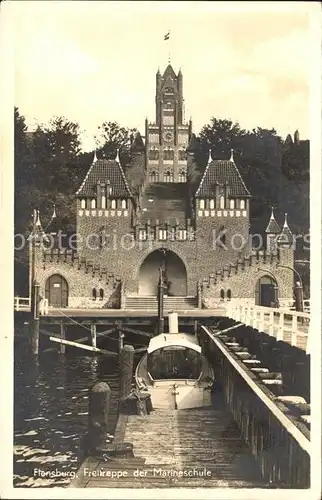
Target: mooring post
[[126, 370], [120, 341], [35, 318], [93, 334], [99, 404], [62, 347]]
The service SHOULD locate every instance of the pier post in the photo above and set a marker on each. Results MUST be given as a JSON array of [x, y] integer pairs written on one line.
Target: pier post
[[93, 334], [62, 347], [126, 370], [120, 341], [99, 404], [35, 318]]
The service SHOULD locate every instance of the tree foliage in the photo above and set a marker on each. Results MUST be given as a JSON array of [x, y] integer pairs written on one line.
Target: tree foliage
[[112, 137]]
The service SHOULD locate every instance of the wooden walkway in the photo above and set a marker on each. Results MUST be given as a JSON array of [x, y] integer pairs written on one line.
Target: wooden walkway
[[175, 448]]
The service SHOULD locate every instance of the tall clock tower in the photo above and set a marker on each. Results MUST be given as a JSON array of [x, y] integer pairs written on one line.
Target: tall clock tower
[[168, 138]]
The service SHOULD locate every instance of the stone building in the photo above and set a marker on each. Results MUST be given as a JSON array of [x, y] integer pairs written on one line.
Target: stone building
[[127, 230]]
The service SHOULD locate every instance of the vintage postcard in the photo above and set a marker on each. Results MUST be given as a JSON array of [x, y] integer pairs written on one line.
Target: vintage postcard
[[165, 268]]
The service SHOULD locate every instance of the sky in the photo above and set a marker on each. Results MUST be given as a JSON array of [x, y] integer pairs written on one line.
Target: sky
[[96, 61]]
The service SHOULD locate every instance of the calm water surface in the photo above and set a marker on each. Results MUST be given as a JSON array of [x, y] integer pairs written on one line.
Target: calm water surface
[[51, 411]]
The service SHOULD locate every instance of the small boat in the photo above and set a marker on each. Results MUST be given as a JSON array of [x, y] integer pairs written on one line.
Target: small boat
[[175, 372]]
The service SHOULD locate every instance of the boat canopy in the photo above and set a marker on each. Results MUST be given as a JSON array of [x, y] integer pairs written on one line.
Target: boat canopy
[[174, 339]]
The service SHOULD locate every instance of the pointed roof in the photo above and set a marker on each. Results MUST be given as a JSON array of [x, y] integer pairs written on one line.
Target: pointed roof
[[138, 144], [105, 172], [169, 71], [222, 172], [53, 226], [272, 227], [285, 238]]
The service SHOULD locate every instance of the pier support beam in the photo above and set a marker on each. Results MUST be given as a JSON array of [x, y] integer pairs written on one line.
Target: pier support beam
[[62, 347], [99, 404], [35, 318], [126, 370], [93, 334]]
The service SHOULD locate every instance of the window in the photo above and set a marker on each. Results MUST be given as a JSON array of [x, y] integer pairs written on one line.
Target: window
[[168, 105], [182, 234], [113, 204], [142, 234], [182, 154], [212, 204], [162, 234], [124, 204], [228, 294], [168, 154], [154, 154], [222, 202], [242, 204], [83, 203], [202, 204], [167, 176], [232, 204], [101, 293], [103, 201], [94, 294], [222, 294], [93, 203], [182, 176]]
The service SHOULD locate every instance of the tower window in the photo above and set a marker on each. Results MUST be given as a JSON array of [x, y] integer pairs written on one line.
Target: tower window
[[222, 294], [182, 234], [154, 153], [228, 294], [169, 90], [182, 154], [242, 204], [154, 176], [202, 204], [232, 204], [93, 203], [168, 154], [101, 293], [168, 176], [182, 176], [142, 234], [83, 204], [103, 201], [94, 294], [113, 204], [222, 202], [212, 204], [124, 204], [162, 234]]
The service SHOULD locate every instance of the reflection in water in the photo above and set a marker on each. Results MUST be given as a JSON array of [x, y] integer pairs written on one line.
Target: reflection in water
[[51, 411]]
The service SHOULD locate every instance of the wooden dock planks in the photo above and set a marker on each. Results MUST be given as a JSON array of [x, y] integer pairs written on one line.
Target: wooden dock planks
[[168, 441]]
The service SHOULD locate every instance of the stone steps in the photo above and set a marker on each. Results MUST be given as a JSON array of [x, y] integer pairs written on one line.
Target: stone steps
[[170, 303]]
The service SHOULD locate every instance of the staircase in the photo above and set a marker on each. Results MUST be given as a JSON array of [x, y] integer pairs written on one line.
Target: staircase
[[150, 303], [164, 201]]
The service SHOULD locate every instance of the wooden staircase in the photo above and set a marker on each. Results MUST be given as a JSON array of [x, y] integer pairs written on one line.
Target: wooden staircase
[[150, 303]]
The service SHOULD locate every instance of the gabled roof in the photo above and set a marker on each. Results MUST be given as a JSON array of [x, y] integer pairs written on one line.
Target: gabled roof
[[221, 172], [106, 172]]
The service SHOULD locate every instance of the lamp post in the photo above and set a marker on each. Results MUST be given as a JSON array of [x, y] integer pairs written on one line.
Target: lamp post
[[298, 288], [276, 298]]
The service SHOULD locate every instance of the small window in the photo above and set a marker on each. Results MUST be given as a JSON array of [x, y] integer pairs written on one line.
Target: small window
[[222, 202], [182, 234], [232, 204], [222, 294], [94, 294], [142, 234], [103, 202], [154, 154], [113, 204], [83, 203], [182, 177], [162, 234], [93, 203], [124, 204], [167, 177], [202, 204], [212, 204], [228, 294], [101, 293], [242, 204]]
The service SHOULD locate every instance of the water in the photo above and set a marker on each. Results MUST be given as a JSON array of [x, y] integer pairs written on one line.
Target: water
[[51, 412]]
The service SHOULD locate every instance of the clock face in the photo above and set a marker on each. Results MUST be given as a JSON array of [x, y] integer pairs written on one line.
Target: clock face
[[168, 136]]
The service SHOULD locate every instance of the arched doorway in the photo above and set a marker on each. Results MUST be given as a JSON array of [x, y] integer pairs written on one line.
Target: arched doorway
[[56, 291], [174, 271], [266, 292]]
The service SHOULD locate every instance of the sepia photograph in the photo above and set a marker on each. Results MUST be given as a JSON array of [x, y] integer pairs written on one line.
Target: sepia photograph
[[163, 270]]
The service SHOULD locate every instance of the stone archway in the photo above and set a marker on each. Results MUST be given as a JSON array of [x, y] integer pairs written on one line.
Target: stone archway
[[56, 291], [266, 292], [175, 273]]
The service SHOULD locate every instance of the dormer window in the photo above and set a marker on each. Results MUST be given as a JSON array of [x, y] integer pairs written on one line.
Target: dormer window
[[113, 204], [242, 204], [232, 204], [93, 203], [83, 204], [202, 204], [124, 204], [103, 201], [212, 204]]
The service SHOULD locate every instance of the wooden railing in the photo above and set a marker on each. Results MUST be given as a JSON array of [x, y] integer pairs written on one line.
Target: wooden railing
[[288, 326], [24, 304]]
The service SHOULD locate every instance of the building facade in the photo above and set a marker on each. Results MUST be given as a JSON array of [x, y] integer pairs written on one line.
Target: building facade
[[125, 233]]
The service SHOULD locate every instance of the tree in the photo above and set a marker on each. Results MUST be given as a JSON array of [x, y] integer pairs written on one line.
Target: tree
[[113, 136]]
